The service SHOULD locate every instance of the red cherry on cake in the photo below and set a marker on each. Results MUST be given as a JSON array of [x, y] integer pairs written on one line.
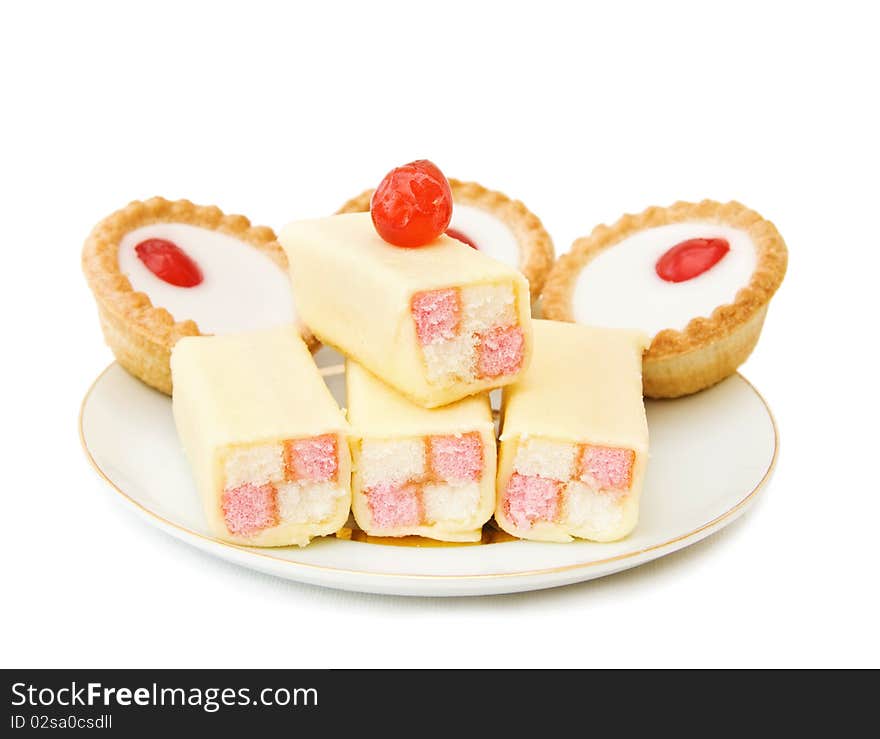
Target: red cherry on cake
[[169, 262], [412, 205], [691, 258], [456, 234]]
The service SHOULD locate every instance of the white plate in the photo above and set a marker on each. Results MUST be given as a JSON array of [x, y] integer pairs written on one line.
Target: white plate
[[710, 455]]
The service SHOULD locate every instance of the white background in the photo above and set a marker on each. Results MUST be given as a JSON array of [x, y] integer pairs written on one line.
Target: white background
[[278, 113]]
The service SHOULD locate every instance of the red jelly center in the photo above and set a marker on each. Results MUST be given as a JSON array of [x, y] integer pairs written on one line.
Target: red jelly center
[[169, 262], [456, 234], [691, 258]]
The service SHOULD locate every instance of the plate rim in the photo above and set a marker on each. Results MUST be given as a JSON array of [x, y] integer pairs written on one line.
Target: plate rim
[[243, 550]]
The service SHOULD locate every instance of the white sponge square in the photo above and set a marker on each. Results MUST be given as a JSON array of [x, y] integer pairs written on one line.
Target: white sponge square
[[487, 306], [455, 359], [599, 513], [554, 460], [308, 502], [256, 465], [391, 461], [451, 503]]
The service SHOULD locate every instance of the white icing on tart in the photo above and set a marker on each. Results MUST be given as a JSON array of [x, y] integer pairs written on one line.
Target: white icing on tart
[[620, 288], [242, 289], [493, 237]]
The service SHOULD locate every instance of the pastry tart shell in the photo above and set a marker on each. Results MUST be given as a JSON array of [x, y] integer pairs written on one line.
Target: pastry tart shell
[[140, 334], [536, 252], [709, 348]]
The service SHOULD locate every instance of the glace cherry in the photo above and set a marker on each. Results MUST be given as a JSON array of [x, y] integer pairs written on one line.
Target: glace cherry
[[690, 259], [456, 234], [169, 262], [412, 205]]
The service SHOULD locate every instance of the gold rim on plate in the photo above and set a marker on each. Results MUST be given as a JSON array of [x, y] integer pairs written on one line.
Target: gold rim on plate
[[333, 370]]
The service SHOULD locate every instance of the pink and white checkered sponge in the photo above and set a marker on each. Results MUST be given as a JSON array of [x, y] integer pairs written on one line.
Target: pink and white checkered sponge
[[290, 481], [575, 484], [421, 481], [469, 333]]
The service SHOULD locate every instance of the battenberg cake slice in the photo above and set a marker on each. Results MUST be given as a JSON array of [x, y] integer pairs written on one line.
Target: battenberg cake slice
[[437, 323], [418, 471], [267, 442], [574, 436]]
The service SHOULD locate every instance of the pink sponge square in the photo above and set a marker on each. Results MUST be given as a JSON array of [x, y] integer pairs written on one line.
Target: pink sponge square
[[394, 506], [608, 468], [500, 352], [314, 459], [456, 458], [530, 498], [248, 508], [437, 314]]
